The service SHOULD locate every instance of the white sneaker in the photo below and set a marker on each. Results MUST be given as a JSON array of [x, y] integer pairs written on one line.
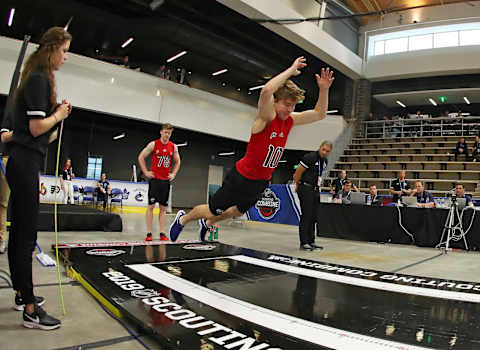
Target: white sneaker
[[2, 247]]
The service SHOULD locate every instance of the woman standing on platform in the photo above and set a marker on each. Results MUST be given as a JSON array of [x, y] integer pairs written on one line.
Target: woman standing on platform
[[36, 115], [66, 181]]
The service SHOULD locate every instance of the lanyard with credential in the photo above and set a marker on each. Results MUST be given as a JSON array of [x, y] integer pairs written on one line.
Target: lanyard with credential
[[2, 167]]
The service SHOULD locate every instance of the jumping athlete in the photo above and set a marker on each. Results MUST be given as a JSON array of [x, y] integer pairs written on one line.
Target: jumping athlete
[[163, 151], [249, 178]]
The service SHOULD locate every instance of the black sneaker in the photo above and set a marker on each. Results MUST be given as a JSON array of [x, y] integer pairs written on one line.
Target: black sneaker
[[20, 305], [202, 229], [40, 319], [306, 247]]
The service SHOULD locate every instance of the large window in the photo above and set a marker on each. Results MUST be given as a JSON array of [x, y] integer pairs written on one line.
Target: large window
[[447, 39], [396, 45], [464, 34], [94, 170], [420, 42]]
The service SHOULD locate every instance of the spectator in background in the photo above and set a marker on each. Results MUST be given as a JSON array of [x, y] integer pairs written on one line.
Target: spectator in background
[[339, 182], [460, 192], [424, 198], [372, 197], [103, 190], [461, 148], [161, 72], [343, 197], [125, 63], [182, 77], [476, 149], [400, 187], [66, 181], [168, 74]]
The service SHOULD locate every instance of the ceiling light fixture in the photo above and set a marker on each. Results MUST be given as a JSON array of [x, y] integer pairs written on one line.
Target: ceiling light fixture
[[119, 136], [221, 71], [466, 100], [182, 144], [432, 101], [401, 104], [332, 111], [176, 56], [226, 153], [126, 43], [10, 18], [256, 87]]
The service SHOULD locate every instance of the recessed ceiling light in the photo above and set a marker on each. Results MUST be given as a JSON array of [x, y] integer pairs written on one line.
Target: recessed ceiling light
[[221, 71], [177, 56], [10, 18], [126, 43]]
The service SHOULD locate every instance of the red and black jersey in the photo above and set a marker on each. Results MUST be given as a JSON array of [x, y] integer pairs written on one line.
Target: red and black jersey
[[265, 150], [162, 159]]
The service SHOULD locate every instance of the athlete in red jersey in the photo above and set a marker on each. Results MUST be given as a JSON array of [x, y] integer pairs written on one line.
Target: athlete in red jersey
[[275, 117], [163, 152]]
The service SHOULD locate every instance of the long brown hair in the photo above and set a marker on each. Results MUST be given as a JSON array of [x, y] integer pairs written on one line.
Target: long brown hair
[[41, 59]]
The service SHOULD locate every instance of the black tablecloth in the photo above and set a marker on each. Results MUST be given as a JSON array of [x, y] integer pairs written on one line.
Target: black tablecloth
[[381, 224]]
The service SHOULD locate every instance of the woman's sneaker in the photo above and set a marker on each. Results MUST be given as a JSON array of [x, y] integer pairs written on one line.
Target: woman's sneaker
[[20, 305], [40, 319]]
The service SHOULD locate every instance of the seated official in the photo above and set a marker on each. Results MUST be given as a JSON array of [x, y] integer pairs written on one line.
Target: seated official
[[372, 198], [460, 191], [400, 187], [461, 148], [424, 198], [343, 196], [339, 182], [103, 190]]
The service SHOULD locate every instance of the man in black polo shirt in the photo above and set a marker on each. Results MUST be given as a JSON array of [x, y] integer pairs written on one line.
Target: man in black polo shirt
[[460, 191], [308, 180], [103, 190], [424, 198], [339, 182], [400, 187], [461, 148], [372, 198], [6, 136]]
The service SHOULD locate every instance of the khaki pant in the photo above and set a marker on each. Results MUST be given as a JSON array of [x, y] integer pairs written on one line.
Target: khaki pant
[[4, 195]]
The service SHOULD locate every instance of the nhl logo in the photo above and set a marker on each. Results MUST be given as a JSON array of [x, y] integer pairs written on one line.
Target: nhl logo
[[268, 205]]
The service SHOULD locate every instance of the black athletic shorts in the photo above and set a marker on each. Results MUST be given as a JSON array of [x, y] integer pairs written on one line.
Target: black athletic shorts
[[236, 190], [158, 191]]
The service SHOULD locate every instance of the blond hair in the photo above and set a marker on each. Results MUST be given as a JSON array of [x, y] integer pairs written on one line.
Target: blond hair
[[167, 126], [289, 90]]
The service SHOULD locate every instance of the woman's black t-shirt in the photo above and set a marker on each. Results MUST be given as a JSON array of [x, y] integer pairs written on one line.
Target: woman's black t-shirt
[[32, 102]]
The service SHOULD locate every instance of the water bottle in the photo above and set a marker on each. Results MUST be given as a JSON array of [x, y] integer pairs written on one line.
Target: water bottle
[[215, 232], [369, 200]]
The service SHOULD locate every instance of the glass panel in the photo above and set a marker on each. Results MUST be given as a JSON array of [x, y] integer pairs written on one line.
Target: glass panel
[[420, 42], [396, 45], [379, 48], [445, 39], [470, 37]]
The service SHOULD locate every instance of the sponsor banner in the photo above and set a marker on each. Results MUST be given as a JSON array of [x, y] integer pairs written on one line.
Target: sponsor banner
[[278, 204], [132, 193], [105, 252], [118, 244]]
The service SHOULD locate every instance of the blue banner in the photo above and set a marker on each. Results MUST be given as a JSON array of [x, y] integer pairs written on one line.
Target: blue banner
[[278, 204]]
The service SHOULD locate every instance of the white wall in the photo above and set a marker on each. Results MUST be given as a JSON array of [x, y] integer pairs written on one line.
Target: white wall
[[306, 35], [422, 63], [87, 83]]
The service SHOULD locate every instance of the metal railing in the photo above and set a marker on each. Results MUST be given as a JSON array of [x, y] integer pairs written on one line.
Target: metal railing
[[443, 126]]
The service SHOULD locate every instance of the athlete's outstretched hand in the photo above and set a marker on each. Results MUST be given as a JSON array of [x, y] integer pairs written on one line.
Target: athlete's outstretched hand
[[325, 80], [298, 64]]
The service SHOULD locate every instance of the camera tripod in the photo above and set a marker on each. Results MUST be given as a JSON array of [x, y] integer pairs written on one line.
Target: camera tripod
[[450, 228]]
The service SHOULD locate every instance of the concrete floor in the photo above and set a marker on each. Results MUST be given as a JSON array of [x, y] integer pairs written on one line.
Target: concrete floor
[[87, 326]]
